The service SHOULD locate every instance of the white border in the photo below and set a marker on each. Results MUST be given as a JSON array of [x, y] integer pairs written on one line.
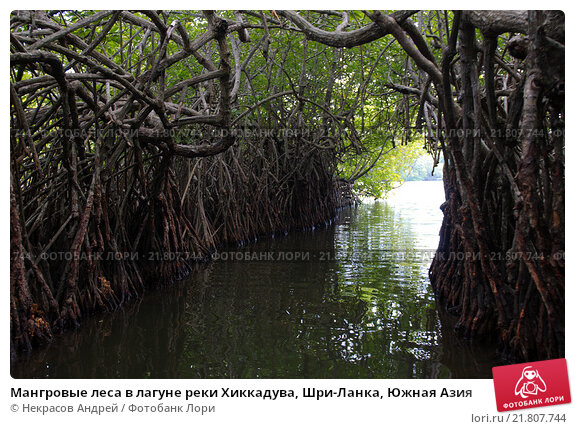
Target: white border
[[255, 413]]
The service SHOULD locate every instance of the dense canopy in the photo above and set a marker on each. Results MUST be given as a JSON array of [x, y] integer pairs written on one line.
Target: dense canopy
[[168, 133]]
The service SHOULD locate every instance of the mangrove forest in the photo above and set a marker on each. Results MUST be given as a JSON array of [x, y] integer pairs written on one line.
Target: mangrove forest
[[143, 144]]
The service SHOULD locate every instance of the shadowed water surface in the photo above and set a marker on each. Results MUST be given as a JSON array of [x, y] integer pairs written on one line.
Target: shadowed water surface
[[348, 301]]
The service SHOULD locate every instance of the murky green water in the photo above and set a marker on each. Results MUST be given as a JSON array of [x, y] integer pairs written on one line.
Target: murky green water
[[349, 301]]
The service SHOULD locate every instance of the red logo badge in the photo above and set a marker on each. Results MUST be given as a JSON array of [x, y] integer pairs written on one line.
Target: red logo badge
[[532, 384]]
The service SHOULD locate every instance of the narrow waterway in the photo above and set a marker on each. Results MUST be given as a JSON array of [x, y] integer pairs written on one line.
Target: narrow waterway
[[351, 300]]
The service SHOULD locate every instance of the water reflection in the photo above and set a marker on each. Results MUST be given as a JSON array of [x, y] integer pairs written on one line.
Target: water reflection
[[348, 301]]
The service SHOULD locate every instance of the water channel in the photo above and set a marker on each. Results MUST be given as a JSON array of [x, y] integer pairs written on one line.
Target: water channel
[[351, 300]]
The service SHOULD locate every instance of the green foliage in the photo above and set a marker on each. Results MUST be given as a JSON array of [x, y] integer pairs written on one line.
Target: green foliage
[[371, 135], [391, 169]]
